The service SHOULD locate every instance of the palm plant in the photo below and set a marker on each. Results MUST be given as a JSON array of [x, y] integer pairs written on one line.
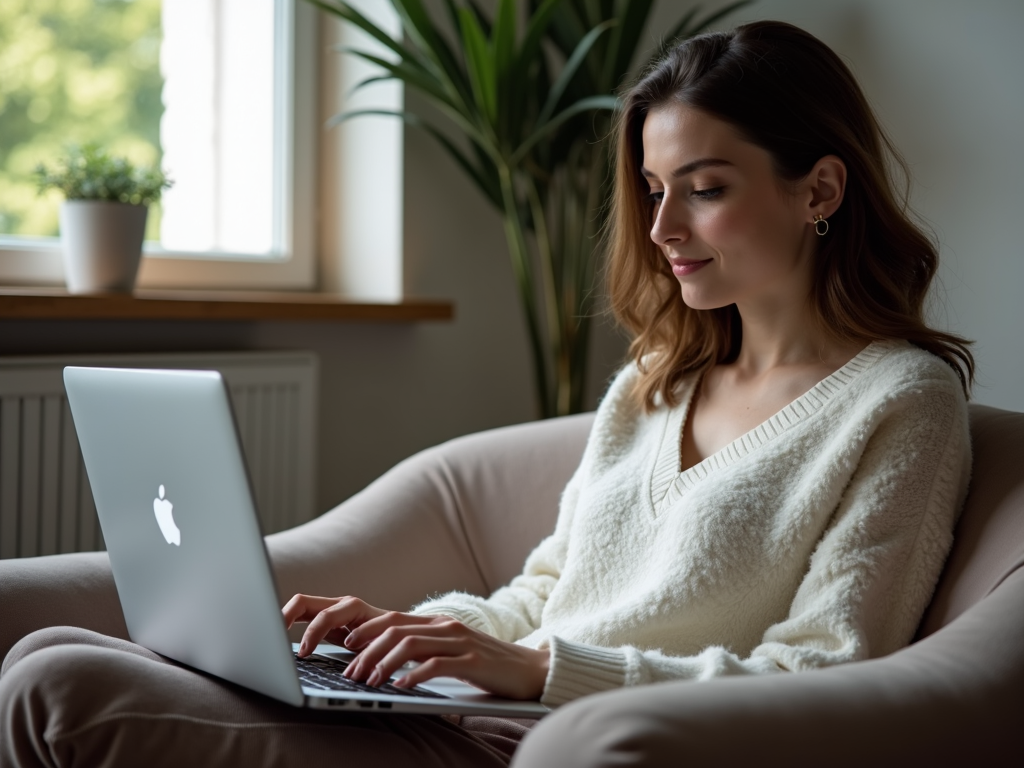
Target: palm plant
[[533, 141]]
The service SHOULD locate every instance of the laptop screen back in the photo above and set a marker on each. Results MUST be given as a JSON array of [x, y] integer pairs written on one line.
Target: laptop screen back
[[177, 513]]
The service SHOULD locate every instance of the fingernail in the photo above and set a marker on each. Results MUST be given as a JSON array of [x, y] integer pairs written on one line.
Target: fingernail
[[400, 683], [348, 641]]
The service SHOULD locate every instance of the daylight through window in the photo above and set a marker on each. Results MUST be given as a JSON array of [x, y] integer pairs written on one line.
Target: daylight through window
[[195, 85]]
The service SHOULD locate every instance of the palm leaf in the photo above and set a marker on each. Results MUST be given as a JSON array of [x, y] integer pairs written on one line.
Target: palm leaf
[[409, 74], [503, 36], [592, 13], [530, 74], [420, 28], [351, 15], [422, 55], [583, 105], [417, 25], [453, 13], [625, 39], [538, 25], [569, 70], [503, 46], [370, 81], [480, 63], [485, 181], [567, 28], [481, 17]]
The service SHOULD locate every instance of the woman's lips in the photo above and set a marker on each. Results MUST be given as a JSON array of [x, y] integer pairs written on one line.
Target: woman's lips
[[681, 267]]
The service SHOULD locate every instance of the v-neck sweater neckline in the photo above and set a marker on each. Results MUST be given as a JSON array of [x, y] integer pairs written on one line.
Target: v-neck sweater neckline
[[668, 483]]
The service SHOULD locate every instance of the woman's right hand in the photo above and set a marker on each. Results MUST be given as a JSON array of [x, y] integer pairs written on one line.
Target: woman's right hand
[[386, 641], [334, 618]]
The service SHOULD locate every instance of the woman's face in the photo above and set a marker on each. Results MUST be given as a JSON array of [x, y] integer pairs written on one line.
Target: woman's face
[[732, 234]]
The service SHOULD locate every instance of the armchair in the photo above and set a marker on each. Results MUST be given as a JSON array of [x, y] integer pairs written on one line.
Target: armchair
[[465, 514]]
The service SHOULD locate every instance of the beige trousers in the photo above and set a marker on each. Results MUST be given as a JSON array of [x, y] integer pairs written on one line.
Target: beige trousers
[[72, 697]]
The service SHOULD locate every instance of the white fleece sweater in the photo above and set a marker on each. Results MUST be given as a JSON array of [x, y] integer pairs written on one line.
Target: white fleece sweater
[[814, 539]]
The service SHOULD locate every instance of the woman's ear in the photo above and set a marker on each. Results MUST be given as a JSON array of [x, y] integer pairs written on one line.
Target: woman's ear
[[826, 184]]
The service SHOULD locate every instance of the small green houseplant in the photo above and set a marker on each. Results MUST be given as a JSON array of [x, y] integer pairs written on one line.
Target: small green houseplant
[[103, 218]]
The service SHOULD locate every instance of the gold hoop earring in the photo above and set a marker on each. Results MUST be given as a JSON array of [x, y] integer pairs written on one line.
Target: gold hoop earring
[[819, 219]]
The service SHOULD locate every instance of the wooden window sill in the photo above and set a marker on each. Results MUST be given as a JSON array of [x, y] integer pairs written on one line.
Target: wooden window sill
[[58, 304]]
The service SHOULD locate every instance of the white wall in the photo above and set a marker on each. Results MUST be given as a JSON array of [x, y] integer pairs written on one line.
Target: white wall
[[946, 78]]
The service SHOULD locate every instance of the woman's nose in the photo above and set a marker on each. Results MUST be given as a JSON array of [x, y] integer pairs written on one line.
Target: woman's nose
[[669, 226]]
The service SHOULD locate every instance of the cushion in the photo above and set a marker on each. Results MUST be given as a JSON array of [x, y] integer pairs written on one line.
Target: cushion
[[989, 539]]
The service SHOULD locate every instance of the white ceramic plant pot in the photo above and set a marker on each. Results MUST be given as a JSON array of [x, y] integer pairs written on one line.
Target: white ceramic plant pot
[[102, 245]]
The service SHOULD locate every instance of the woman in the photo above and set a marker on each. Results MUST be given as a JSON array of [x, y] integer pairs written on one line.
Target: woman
[[771, 483]]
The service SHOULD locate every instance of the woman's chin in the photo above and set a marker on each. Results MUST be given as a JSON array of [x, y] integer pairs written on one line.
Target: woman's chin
[[701, 299]]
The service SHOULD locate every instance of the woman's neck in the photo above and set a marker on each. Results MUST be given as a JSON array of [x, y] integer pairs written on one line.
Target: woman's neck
[[788, 334]]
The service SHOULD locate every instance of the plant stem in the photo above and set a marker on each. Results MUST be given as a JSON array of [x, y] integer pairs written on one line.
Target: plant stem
[[554, 319], [519, 252]]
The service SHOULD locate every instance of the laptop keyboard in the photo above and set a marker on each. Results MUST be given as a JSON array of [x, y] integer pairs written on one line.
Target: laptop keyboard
[[326, 675]]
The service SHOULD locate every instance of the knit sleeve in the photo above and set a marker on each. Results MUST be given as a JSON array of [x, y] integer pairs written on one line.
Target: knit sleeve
[[868, 582], [514, 611]]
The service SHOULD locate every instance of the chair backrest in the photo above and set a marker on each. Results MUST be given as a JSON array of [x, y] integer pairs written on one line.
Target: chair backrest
[[989, 541], [507, 483]]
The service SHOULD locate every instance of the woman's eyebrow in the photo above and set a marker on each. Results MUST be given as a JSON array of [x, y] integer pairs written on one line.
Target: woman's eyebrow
[[696, 165]]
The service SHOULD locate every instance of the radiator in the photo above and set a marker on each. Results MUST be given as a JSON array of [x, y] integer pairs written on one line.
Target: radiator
[[46, 505]]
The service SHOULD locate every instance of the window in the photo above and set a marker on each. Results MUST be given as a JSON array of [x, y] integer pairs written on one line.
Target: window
[[73, 72], [222, 92], [220, 132]]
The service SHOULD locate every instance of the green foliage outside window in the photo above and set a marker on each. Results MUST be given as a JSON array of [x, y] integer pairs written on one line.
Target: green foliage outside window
[[74, 71]]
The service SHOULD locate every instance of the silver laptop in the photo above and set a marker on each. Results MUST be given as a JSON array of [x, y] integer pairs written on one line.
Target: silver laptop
[[178, 516]]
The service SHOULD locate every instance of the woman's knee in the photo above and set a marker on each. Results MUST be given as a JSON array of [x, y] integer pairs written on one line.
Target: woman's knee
[[43, 638], [49, 637], [610, 729], [44, 688], [577, 735], [62, 697]]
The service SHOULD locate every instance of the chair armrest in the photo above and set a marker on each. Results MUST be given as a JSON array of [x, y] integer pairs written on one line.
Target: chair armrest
[[75, 590], [954, 698]]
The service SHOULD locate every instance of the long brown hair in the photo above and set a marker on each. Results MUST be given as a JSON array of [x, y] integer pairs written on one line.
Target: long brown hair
[[789, 94]]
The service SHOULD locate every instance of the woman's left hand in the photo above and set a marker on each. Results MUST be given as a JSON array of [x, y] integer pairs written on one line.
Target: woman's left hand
[[447, 648]]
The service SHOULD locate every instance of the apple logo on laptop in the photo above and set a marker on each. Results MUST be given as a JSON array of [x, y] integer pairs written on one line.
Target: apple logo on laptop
[[162, 507]]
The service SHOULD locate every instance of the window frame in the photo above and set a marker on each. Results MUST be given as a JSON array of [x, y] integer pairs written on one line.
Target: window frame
[[37, 261]]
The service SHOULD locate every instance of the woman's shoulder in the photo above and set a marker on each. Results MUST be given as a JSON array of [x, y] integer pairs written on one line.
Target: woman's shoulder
[[899, 378], [622, 397], [622, 424], [619, 403], [900, 367]]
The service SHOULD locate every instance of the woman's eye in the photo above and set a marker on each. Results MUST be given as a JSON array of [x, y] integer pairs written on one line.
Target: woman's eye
[[709, 193], [656, 197]]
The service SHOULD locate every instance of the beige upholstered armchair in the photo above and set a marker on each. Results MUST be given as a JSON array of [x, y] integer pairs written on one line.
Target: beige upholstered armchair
[[464, 516]]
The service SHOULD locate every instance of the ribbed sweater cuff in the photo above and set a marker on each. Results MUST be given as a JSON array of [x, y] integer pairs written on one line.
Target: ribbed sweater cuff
[[467, 616], [578, 670]]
